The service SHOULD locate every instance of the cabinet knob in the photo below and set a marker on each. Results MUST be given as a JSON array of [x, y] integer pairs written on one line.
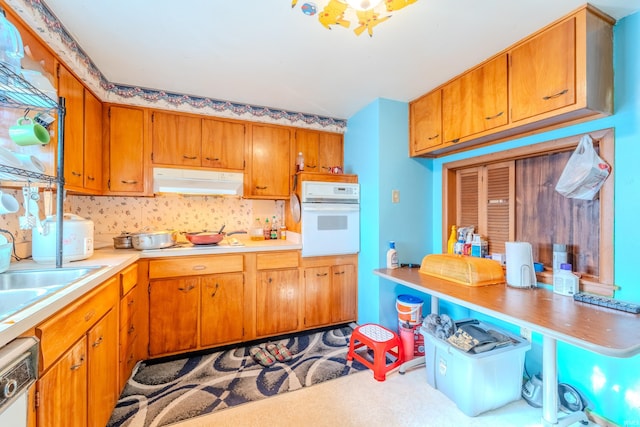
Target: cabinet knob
[[97, 342], [77, 366]]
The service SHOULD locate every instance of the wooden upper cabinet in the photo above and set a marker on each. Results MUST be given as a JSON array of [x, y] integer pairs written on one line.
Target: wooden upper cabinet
[[425, 123], [223, 144], [476, 101], [176, 139], [270, 157], [321, 150], [72, 90], [92, 142], [126, 172], [560, 75], [543, 72]]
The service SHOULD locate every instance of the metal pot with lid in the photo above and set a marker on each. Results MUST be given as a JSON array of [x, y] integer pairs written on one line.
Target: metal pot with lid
[[123, 241], [154, 239]]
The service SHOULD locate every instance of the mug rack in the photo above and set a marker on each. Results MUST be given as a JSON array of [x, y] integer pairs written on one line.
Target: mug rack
[[17, 93]]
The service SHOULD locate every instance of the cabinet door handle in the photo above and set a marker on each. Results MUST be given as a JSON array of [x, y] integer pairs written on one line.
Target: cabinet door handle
[[184, 156], [494, 117], [555, 95], [89, 315], [90, 178], [455, 141], [215, 291], [97, 342], [433, 137], [337, 273], [74, 173], [215, 159], [199, 267], [187, 289], [78, 365], [129, 181], [131, 302], [260, 188], [311, 166], [321, 274]]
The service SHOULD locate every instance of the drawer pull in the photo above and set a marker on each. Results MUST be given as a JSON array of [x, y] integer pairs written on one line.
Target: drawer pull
[[199, 267], [89, 315], [131, 302], [184, 156], [77, 365], [128, 181], [433, 137], [74, 173], [258, 187], [321, 274], [214, 159], [90, 178], [494, 117], [187, 289], [555, 95], [97, 342]]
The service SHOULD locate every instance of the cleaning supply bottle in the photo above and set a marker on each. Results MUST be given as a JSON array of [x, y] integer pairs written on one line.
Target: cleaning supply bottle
[[453, 238], [392, 256], [564, 281]]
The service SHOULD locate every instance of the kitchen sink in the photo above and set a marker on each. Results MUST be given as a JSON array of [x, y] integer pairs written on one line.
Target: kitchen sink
[[21, 288]]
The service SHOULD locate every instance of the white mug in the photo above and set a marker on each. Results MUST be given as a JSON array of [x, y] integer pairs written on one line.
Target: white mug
[[8, 204]]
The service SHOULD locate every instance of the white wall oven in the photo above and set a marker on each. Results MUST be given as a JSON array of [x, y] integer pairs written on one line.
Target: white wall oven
[[330, 218]]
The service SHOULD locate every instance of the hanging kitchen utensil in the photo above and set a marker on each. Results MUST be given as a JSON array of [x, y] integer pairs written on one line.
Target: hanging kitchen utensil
[[294, 201], [47, 195]]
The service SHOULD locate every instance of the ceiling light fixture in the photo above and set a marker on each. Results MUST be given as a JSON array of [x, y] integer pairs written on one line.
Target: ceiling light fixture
[[366, 14]]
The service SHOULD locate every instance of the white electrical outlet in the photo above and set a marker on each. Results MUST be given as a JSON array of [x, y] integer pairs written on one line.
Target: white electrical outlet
[[395, 196], [525, 333]]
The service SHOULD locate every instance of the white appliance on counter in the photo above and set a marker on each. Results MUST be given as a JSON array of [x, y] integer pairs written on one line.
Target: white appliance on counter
[[330, 218], [77, 239]]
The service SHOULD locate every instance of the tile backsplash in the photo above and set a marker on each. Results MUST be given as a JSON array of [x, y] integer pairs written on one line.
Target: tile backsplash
[[113, 215]]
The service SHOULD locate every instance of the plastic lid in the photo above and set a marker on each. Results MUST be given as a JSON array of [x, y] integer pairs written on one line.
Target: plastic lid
[[409, 299], [392, 245], [559, 247], [565, 266]]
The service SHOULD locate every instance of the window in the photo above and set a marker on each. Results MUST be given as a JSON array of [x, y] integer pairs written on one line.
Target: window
[[510, 196]]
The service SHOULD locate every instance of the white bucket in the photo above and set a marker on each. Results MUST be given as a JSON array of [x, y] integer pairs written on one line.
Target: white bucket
[[409, 309]]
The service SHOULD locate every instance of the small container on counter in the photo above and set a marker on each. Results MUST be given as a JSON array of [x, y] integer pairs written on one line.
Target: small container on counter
[[123, 241]]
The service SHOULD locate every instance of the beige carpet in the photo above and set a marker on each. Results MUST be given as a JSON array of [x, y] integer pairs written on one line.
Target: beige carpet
[[359, 400]]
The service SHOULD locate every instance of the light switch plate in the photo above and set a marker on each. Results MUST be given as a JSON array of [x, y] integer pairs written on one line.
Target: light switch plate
[[395, 196]]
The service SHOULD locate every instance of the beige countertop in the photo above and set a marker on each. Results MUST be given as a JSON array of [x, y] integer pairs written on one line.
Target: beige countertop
[[110, 261]]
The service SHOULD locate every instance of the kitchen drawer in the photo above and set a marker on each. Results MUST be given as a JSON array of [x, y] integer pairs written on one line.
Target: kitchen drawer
[[273, 260], [195, 266], [128, 278], [127, 307], [128, 336], [61, 330]]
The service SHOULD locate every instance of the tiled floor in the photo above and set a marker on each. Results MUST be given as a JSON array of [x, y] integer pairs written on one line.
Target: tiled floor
[[359, 400]]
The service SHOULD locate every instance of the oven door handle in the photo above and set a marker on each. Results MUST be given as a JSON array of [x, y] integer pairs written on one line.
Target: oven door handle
[[326, 207]]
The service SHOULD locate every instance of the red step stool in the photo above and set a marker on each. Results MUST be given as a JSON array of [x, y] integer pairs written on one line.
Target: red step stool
[[381, 341]]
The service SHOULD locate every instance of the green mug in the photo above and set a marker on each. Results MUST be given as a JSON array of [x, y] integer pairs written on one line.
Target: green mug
[[28, 132]]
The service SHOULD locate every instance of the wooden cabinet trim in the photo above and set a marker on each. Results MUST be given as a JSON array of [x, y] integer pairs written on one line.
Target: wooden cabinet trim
[[195, 266]]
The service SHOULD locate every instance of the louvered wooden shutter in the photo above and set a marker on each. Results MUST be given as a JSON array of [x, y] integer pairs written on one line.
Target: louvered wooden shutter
[[500, 205], [468, 197]]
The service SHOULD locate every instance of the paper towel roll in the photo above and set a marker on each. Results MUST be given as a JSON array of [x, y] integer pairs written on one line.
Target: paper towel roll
[[520, 273]]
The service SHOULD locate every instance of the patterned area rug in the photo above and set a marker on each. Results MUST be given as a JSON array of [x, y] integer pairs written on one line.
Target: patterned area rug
[[162, 393]]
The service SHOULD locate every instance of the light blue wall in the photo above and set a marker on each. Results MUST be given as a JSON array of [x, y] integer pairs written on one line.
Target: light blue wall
[[376, 149], [611, 385]]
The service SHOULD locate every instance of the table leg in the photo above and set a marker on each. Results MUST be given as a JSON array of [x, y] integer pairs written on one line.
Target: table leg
[[550, 389]]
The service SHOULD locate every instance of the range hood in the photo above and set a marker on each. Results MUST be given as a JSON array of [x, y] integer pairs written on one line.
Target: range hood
[[192, 181]]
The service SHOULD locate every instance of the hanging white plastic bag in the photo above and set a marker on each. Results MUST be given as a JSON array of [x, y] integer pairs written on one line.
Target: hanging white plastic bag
[[584, 173]]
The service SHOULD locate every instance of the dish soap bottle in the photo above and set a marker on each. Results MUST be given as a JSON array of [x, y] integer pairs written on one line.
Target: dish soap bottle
[[392, 256], [453, 238]]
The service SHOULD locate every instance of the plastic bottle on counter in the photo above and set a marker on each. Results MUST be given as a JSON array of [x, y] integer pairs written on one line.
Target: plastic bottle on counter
[[392, 256], [559, 255], [564, 281], [274, 228], [256, 230], [453, 238], [299, 162], [266, 229], [283, 232]]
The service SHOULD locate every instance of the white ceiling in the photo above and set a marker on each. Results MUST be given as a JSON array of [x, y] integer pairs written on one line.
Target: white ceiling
[[269, 54]]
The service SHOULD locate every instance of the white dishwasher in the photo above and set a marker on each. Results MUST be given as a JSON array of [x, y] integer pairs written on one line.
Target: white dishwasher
[[18, 371]]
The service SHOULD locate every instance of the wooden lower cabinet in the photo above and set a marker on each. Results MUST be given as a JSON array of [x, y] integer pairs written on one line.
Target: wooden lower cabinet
[[78, 385], [330, 290], [130, 323], [277, 301], [221, 308]]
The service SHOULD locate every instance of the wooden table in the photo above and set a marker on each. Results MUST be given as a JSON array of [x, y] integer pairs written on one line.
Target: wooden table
[[555, 317]]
